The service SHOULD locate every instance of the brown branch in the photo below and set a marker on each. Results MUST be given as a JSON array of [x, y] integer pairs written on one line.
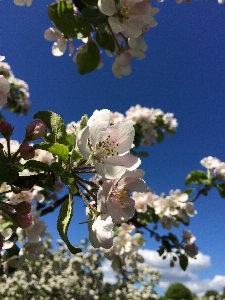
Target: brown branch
[[52, 207]]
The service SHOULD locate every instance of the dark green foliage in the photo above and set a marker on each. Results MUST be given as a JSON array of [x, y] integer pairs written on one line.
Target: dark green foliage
[[178, 291]]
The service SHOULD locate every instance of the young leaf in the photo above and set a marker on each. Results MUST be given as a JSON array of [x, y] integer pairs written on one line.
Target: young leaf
[[62, 15], [65, 216], [88, 58], [55, 124], [221, 189], [34, 164], [183, 260], [62, 173], [105, 40], [57, 149], [93, 16], [196, 176]]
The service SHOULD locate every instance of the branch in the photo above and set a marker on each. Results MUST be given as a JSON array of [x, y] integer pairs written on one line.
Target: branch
[[52, 207]]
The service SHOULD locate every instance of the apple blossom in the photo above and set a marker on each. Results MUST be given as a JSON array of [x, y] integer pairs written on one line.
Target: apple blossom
[[6, 129], [25, 151], [113, 196], [129, 17], [24, 221], [108, 146], [59, 47], [210, 162], [35, 130], [101, 231]]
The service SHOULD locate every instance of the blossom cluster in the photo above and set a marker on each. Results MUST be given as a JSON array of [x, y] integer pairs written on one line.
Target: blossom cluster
[[149, 124], [14, 92], [125, 249], [107, 146], [170, 209], [214, 166], [127, 22], [57, 273]]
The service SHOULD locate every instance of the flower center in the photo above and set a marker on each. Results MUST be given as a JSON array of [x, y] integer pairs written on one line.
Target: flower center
[[120, 195], [124, 11], [104, 149]]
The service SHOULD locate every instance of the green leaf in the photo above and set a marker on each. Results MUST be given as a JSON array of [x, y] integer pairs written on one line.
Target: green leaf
[[55, 124], [160, 251], [65, 216], [65, 176], [93, 16], [83, 121], [172, 237], [8, 172], [105, 40], [57, 149], [88, 58], [70, 139], [64, 18], [160, 136], [221, 189], [183, 260], [196, 177], [189, 191], [75, 155], [34, 164]]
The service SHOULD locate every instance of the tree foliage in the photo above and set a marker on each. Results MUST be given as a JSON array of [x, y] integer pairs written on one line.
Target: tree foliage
[[178, 291]]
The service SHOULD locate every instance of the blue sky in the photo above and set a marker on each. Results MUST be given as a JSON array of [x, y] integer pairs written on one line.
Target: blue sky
[[183, 73]]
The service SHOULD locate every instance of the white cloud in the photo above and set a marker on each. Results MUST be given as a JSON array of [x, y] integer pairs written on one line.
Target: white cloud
[[189, 278], [109, 275], [170, 275], [200, 287]]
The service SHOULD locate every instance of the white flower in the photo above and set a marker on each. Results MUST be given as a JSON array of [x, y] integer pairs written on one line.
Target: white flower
[[130, 16], [108, 146], [210, 162], [121, 66], [101, 231], [113, 196], [59, 47]]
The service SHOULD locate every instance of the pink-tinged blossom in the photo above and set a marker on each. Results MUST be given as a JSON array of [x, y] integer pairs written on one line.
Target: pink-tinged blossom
[[24, 221], [130, 16], [191, 250], [35, 130], [114, 199], [59, 46], [4, 89], [121, 66], [107, 146], [25, 151], [23, 196], [188, 237], [6, 129]]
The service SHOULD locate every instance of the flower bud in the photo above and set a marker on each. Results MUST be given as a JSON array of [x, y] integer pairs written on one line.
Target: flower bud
[[24, 221], [35, 130], [25, 151], [6, 129]]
